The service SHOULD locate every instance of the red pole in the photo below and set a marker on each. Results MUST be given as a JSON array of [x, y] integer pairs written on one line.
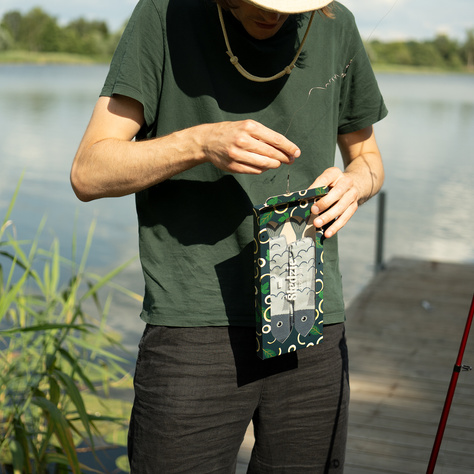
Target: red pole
[[450, 395]]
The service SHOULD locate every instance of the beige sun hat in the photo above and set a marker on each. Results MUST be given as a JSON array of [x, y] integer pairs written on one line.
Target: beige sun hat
[[290, 6]]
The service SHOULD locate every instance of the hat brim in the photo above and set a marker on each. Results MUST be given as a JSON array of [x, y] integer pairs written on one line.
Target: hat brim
[[290, 6]]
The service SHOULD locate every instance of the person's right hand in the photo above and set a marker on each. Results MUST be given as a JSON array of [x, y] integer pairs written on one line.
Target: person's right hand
[[245, 147]]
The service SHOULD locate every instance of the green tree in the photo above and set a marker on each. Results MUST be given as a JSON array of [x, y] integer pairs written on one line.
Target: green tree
[[84, 27], [449, 50], [89, 37], [11, 22], [390, 53], [468, 49], [6, 40], [71, 42], [425, 54], [39, 31]]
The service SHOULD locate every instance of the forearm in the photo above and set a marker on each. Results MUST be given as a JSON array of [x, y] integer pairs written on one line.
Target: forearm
[[362, 163], [114, 167]]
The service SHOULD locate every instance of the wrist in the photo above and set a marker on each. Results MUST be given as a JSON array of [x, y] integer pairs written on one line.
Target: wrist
[[198, 143], [191, 145]]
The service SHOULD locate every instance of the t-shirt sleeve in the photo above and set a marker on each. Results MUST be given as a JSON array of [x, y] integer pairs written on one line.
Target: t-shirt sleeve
[[361, 103], [137, 64]]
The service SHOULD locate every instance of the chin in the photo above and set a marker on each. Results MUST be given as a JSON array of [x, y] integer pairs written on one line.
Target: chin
[[261, 34]]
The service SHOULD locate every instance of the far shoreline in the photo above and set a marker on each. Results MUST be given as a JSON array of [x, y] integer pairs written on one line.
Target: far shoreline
[[21, 58]]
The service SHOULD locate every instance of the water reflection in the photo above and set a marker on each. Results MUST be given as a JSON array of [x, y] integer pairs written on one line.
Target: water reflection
[[427, 87]]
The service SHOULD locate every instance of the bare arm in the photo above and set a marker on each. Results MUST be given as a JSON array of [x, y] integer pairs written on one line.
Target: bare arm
[[109, 164], [362, 178]]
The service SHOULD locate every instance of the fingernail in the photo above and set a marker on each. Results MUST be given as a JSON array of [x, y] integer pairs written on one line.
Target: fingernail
[[315, 210], [318, 222], [297, 154]]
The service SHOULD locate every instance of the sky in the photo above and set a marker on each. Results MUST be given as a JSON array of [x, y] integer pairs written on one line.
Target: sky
[[377, 19]]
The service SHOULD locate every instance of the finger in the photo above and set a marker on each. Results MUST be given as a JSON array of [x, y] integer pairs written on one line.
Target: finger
[[340, 222], [340, 189], [239, 158], [258, 155], [338, 209], [247, 168], [274, 144], [258, 150]]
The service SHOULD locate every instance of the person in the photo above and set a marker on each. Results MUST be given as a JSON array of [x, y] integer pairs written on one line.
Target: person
[[208, 107]]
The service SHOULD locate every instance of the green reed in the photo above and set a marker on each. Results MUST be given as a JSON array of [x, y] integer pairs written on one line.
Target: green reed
[[53, 353]]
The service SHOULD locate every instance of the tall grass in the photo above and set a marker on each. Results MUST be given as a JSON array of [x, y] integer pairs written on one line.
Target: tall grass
[[53, 353]]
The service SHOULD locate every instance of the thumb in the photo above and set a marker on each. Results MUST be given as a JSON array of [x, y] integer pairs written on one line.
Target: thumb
[[327, 177]]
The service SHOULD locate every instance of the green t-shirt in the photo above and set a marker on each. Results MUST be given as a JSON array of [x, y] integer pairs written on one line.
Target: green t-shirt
[[196, 229]]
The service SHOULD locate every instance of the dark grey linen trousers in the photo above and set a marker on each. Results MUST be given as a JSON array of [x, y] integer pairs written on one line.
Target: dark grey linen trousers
[[197, 389]]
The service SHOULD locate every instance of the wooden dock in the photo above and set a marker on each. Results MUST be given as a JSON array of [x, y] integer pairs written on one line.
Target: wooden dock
[[404, 331]]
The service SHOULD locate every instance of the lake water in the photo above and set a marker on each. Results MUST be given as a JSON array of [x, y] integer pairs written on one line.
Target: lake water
[[426, 142]]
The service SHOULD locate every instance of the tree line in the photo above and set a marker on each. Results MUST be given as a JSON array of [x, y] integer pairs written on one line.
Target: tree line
[[441, 52], [37, 31]]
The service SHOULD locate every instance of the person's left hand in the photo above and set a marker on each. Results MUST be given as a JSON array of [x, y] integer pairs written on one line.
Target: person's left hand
[[361, 179], [339, 204]]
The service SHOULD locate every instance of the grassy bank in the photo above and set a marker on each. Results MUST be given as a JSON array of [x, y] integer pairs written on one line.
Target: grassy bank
[[402, 69], [29, 57]]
